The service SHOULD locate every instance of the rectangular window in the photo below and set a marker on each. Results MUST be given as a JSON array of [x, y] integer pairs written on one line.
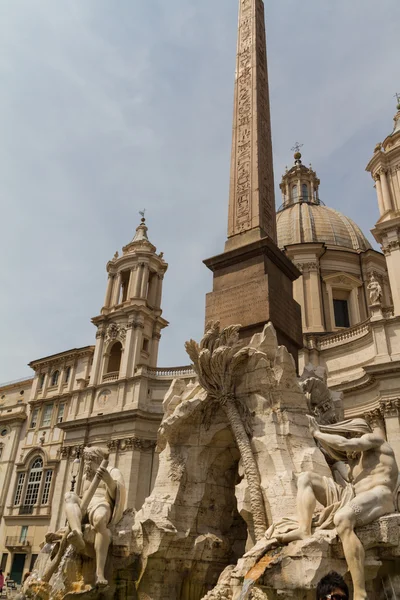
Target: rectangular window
[[46, 487], [60, 414], [341, 308], [47, 414], [1, 451], [23, 534], [34, 418]]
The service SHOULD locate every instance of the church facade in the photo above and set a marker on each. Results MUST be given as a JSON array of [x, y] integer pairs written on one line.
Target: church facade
[[111, 392]]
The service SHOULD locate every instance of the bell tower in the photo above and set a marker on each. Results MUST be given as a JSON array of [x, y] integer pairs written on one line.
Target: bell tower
[[129, 326], [385, 170]]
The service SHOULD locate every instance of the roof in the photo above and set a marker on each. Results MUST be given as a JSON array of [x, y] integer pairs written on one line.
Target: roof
[[305, 222]]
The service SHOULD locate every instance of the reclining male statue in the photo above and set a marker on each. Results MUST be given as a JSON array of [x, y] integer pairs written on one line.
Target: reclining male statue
[[367, 473], [105, 507]]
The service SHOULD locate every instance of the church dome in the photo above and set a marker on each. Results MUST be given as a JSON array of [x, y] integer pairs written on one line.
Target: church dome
[[303, 218], [306, 222]]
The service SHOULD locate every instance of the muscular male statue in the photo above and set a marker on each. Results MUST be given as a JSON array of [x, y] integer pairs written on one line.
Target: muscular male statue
[[106, 507], [366, 492]]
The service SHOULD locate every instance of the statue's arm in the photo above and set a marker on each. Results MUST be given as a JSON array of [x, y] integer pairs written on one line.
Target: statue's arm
[[108, 480], [338, 442]]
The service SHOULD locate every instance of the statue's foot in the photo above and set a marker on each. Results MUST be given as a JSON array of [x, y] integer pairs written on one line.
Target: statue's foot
[[76, 539], [101, 581], [292, 536]]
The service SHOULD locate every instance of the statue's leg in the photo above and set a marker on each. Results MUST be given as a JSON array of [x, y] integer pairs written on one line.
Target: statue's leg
[[74, 517], [363, 509], [100, 520], [310, 490]]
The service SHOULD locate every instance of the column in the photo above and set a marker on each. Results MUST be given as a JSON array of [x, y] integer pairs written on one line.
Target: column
[[97, 358], [110, 282], [72, 377], [390, 410], [126, 369], [354, 307], [139, 277], [387, 202], [61, 380], [116, 290], [145, 281], [391, 248], [375, 419], [378, 187], [137, 343], [299, 295], [153, 287], [331, 309], [160, 279], [154, 348], [46, 383], [317, 320], [132, 283]]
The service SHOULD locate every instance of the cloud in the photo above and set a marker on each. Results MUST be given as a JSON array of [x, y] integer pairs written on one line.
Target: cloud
[[108, 107]]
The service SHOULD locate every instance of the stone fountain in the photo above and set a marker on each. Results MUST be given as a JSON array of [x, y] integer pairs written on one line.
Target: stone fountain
[[235, 450]]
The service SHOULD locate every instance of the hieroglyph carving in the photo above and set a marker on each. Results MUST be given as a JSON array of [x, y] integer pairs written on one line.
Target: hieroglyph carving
[[252, 194]]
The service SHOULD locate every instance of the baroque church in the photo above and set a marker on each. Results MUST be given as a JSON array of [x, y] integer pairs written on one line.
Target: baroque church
[[112, 392]]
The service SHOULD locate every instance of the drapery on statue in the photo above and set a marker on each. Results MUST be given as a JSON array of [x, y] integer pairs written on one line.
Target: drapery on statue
[[105, 507], [375, 290], [366, 477]]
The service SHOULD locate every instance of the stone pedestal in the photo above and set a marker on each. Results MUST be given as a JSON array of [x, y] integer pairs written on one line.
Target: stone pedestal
[[253, 285]]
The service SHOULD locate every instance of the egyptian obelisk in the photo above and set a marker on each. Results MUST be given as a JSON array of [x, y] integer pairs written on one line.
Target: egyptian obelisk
[[251, 197], [252, 278]]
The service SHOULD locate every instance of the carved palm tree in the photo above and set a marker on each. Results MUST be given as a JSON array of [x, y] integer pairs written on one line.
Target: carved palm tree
[[217, 361]]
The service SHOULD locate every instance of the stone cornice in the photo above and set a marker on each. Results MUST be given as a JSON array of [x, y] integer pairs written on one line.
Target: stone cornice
[[132, 415], [55, 359]]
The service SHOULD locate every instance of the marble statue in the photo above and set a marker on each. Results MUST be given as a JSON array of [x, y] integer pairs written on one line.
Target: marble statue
[[366, 476], [375, 291], [105, 507]]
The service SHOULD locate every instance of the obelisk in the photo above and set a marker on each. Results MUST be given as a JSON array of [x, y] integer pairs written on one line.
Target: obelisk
[[252, 212], [253, 279]]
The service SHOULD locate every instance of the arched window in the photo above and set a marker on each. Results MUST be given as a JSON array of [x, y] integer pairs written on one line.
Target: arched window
[[34, 481], [295, 192], [33, 487], [54, 377], [67, 374], [114, 360], [304, 191]]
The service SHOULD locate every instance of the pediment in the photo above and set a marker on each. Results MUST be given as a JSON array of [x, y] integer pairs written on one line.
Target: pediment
[[343, 280]]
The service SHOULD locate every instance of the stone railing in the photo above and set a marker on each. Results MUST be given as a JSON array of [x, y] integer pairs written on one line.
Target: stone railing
[[339, 338], [169, 372], [111, 376]]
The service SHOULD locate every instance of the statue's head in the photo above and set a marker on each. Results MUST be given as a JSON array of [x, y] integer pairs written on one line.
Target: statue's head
[[92, 459]]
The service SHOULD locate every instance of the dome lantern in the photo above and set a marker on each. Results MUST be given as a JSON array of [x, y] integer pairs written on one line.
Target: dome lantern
[[299, 184]]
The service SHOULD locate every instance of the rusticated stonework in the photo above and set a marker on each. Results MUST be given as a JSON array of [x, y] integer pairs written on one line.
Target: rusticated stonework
[[252, 201]]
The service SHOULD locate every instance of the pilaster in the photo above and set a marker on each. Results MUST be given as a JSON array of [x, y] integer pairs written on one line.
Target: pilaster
[[391, 410]]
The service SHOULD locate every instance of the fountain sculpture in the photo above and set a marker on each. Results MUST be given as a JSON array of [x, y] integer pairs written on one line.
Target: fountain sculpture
[[244, 454]]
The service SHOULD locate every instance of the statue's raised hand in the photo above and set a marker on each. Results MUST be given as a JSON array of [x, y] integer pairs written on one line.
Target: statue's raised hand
[[313, 425], [105, 476]]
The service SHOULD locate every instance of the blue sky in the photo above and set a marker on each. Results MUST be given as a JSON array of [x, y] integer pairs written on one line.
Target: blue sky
[[110, 106]]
